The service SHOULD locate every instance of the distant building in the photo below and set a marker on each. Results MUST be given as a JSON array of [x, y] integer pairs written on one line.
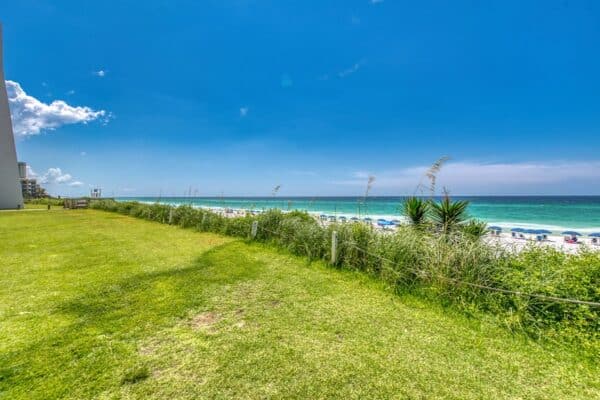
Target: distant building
[[96, 193], [10, 195], [29, 187]]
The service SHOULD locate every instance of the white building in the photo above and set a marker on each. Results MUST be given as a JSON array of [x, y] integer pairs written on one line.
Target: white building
[[29, 186], [10, 185]]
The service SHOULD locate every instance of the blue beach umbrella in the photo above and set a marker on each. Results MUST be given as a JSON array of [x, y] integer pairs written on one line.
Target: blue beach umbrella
[[367, 219], [517, 230], [595, 234], [494, 228], [572, 233], [396, 222], [353, 219], [544, 231]]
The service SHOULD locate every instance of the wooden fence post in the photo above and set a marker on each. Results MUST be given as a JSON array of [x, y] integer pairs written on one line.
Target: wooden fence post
[[254, 229], [334, 245], [170, 215]]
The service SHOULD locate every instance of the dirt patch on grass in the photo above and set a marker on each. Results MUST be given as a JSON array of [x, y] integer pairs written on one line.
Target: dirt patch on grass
[[148, 350], [205, 320]]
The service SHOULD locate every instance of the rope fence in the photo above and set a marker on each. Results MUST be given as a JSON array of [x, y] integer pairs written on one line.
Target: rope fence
[[335, 253]]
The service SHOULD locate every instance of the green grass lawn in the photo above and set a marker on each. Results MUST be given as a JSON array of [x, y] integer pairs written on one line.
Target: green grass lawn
[[98, 305], [38, 206]]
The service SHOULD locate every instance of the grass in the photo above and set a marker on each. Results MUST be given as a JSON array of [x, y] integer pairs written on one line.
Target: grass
[[100, 305]]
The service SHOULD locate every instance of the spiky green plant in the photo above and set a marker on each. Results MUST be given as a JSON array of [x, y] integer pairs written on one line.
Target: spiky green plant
[[448, 215], [474, 229], [416, 209]]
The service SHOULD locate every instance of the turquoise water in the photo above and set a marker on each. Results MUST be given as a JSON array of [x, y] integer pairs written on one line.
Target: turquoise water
[[555, 213]]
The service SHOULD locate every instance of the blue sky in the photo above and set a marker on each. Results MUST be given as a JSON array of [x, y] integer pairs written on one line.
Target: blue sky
[[236, 97]]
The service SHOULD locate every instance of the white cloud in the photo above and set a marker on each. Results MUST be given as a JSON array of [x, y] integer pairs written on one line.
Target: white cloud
[[244, 111], [100, 73], [31, 173], [352, 69], [31, 116], [476, 177], [55, 176]]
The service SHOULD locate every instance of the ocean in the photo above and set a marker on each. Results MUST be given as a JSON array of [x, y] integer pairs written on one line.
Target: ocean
[[555, 213]]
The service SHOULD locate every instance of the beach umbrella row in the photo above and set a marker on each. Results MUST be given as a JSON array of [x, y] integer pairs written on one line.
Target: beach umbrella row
[[541, 231], [342, 218], [380, 221]]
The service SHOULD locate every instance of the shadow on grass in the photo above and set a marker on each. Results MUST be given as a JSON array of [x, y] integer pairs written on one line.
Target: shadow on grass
[[101, 341]]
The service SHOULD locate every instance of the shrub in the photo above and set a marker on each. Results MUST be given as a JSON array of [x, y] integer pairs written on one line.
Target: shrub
[[45, 201]]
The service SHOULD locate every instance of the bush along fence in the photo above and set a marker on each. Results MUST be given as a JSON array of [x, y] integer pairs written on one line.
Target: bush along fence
[[541, 291]]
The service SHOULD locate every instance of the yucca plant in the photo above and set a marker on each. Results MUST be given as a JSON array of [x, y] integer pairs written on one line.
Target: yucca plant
[[474, 229], [448, 215], [416, 209]]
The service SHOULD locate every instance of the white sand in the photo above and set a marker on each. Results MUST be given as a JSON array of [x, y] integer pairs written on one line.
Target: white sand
[[557, 242]]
